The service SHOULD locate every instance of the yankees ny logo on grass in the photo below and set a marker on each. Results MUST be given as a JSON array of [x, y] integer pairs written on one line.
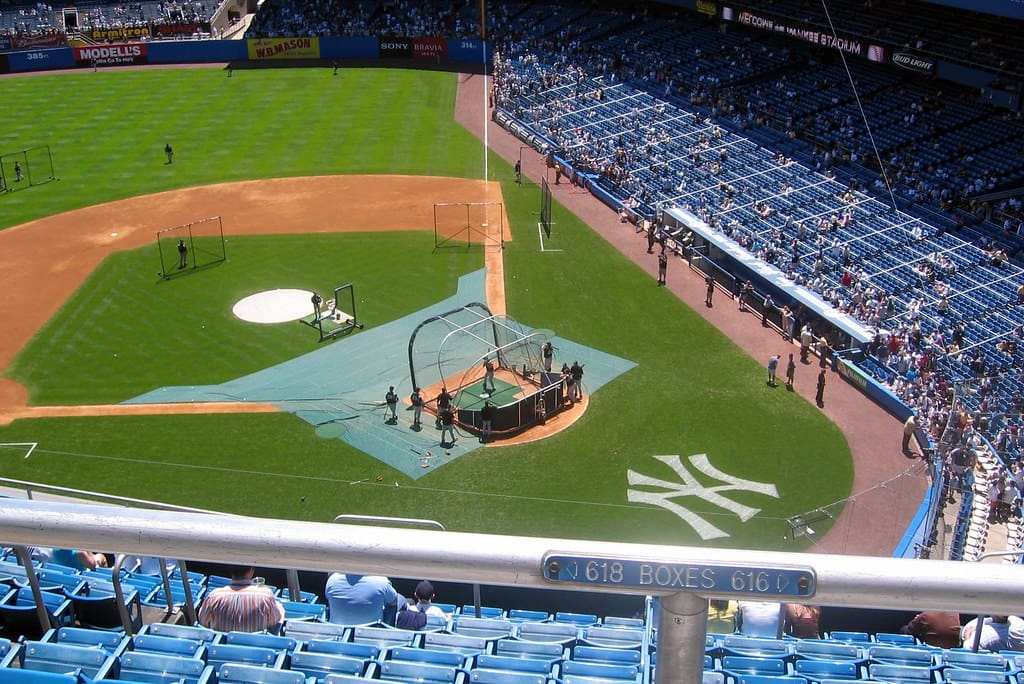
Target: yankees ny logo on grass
[[691, 487]]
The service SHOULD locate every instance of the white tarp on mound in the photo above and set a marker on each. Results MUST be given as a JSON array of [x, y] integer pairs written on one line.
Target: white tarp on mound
[[274, 306]]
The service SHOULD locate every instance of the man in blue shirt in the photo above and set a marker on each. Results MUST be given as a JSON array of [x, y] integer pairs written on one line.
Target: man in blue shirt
[[360, 599]]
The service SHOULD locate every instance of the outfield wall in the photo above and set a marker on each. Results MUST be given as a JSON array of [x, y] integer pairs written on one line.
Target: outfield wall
[[411, 52]]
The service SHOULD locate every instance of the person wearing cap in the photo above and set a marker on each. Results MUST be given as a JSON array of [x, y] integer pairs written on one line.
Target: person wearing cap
[[424, 595], [391, 399]]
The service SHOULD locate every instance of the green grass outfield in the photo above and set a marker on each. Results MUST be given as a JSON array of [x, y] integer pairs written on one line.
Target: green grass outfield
[[126, 332]]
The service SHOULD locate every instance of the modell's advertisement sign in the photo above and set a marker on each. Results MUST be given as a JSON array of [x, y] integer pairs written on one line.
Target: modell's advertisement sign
[[921, 65], [48, 40], [429, 48], [111, 55], [392, 47], [284, 48]]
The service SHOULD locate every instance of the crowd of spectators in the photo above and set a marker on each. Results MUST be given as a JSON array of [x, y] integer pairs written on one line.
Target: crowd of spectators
[[363, 18]]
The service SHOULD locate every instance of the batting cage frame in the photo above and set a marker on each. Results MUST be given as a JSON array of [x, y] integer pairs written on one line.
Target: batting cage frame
[[329, 319], [34, 165], [452, 351], [459, 224], [203, 243]]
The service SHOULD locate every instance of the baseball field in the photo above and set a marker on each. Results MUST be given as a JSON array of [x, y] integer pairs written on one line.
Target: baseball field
[[323, 180]]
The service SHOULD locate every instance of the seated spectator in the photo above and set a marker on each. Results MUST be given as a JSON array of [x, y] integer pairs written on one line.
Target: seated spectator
[[934, 628], [801, 621], [759, 619], [998, 633], [242, 606], [361, 599], [721, 616], [414, 615], [79, 560]]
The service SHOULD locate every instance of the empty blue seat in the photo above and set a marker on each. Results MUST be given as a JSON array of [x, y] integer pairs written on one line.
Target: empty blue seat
[[578, 619], [894, 639], [195, 633], [18, 616], [159, 667], [218, 654], [99, 608], [466, 645], [895, 655], [485, 611], [491, 628], [816, 670], [297, 610], [827, 650], [855, 637], [975, 661], [539, 666], [559, 632], [615, 637], [250, 674], [758, 647], [303, 630], [530, 649], [63, 658], [275, 641], [478, 676], [320, 664], [900, 674], [957, 675], [345, 648], [112, 642], [747, 665], [426, 655], [384, 637], [12, 675], [403, 671], [154, 643], [603, 671], [521, 615]]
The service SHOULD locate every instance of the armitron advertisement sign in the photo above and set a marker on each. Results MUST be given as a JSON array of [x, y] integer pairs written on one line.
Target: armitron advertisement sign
[[111, 55], [113, 34], [284, 48]]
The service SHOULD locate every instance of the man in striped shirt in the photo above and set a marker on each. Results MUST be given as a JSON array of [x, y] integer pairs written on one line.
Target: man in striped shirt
[[241, 606]]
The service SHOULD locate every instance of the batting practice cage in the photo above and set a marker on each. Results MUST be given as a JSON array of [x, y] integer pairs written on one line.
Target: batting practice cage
[[450, 351], [545, 206], [23, 169], [336, 316], [190, 246], [458, 224]]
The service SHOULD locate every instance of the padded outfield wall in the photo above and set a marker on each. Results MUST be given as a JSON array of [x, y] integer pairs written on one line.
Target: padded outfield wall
[[413, 51]]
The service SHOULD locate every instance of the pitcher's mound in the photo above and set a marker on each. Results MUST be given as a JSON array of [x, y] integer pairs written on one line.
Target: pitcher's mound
[[274, 306]]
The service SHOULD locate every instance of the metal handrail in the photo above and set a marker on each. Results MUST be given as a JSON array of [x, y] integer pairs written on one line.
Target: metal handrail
[[869, 582]]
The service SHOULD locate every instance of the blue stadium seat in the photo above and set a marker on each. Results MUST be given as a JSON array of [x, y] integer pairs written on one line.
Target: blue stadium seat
[[218, 654], [516, 664], [975, 661], [277, 642], [229, 673], [768, 679], [614, 637], [895, 639], [578, 619], [153, 643], [401, 671], [198, 633], [957, 675], [44, 656], [895, 655], [345, 648], [828, 650], [816, 670], [559, 632], [320, 664], [746, 665], [614, 656], [900, 674], [15, 676], [384, 637], [713, 678], [466, 645], [758, 647], [602, 671], [531, 649], [296, 610], [521, 615], [158, 667], [18, 617], [304, 630], [506, 677], [425, 655], [489, 628], [111, 642], [629, 623], [485, 611], [98, 609]]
